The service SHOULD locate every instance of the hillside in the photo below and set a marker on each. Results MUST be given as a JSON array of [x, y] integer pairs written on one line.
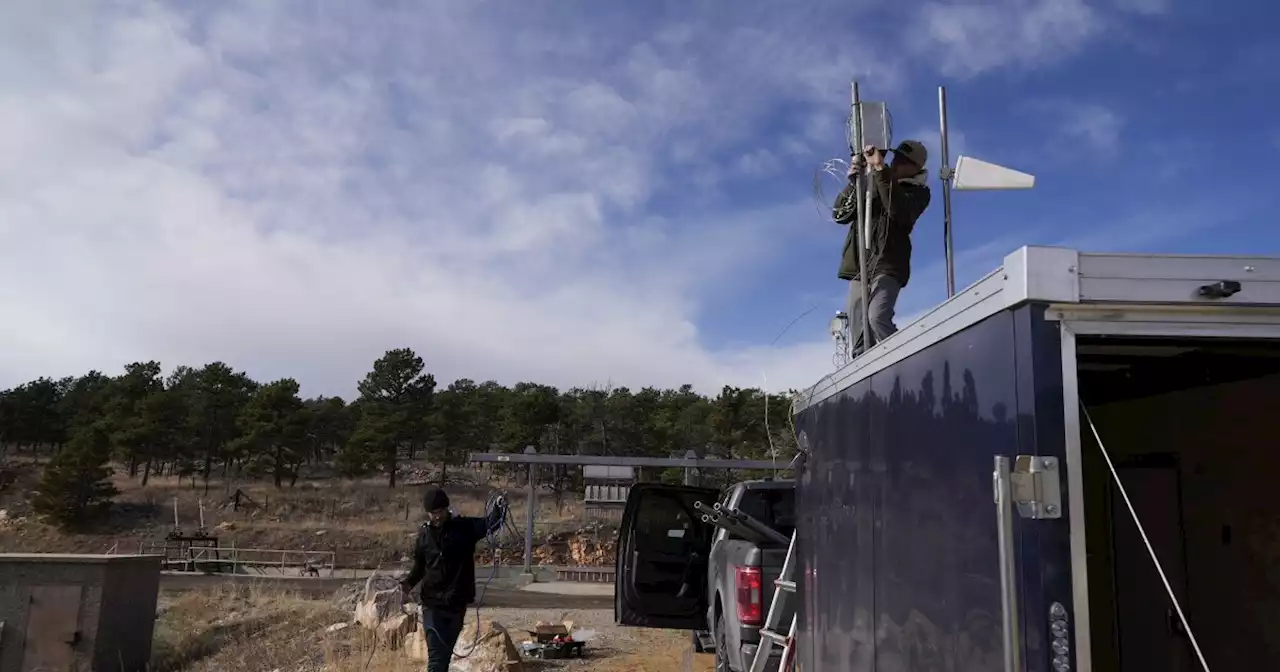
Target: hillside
[[365, 523]]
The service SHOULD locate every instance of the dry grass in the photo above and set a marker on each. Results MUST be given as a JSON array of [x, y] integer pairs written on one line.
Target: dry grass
[[257, 630], [260, 630], [243, 629], [364, 522]]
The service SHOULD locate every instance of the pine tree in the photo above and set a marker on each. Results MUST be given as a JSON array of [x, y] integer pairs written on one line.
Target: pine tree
[[77, 482], [275, 431]]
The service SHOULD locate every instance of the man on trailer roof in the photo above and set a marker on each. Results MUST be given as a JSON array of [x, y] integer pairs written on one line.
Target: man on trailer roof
[[900, 194]]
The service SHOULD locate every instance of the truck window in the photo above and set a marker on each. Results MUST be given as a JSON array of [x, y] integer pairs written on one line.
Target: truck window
[[665, 527], [775, 507]]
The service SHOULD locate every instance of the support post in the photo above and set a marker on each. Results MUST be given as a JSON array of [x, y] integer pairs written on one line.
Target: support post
[[692, 475], [532, 503], [945, 173], [863, 210], [1011, 621]]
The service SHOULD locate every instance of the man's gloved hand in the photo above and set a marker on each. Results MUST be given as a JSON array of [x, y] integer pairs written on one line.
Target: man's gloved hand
[[873, 157], [857, 166]]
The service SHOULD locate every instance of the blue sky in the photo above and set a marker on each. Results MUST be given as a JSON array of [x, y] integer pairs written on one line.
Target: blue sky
[[576, 193]]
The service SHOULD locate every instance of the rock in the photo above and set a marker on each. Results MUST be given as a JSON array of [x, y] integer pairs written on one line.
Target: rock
[[415, 646], [492, 652], [338, 627], [225, 525], [347, 597], [378, 605], [392, 631]]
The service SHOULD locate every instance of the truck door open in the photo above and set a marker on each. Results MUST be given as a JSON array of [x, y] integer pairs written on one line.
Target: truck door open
[[662, 558]]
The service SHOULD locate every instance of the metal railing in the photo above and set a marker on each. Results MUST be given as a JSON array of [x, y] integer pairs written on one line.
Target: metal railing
[[233, 560]]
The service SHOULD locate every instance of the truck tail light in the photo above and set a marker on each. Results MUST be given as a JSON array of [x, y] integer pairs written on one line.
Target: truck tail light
[[750, 596]]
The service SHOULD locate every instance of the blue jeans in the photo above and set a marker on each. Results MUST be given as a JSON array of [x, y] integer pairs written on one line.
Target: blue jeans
[[442, 627]]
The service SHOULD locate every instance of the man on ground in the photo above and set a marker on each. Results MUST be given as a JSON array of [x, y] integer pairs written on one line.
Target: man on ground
[[444, 561]]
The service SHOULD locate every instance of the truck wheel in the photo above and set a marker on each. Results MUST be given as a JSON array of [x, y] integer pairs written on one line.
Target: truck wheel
[[722, 647]]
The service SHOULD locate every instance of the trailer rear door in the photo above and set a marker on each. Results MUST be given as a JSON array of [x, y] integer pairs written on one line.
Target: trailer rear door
[[662, 558], [1182, 403]]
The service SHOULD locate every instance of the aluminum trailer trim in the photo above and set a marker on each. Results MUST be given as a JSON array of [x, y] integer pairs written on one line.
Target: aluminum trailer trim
[[617, 461], [1214, 321], [1080, 612], [1068, 277]]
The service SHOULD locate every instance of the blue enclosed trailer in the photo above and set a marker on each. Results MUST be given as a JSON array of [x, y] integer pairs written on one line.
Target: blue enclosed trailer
[[956, 513]]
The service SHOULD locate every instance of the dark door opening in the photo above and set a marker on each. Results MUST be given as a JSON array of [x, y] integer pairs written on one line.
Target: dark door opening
[[1154, 638], [662, 558], [1191, 427]]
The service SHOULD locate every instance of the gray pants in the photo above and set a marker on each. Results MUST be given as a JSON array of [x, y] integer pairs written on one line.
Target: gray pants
[[881, 298]]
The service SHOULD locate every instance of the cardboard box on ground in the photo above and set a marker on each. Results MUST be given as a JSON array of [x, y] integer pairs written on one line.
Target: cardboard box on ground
[[553, 640]]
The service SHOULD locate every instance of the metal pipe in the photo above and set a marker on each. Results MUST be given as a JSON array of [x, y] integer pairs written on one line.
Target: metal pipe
[[945, 174], [1010, 621], [529, 514], [860, 185]]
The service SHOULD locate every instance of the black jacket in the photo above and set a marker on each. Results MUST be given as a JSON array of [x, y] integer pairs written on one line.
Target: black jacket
[[444, 560], [895, 207]]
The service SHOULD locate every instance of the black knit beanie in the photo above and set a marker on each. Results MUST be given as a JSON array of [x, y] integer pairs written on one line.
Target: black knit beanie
[[434, 498]]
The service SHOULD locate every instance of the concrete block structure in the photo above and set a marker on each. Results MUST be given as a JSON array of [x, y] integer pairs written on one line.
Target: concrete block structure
[[81, 613]]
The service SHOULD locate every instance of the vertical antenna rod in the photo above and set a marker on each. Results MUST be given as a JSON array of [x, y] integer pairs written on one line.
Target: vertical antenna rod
[[945, 173], [860, 184]]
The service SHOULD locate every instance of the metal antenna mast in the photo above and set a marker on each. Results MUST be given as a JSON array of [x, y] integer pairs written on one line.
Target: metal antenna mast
[[945, 174], [969, 174], [860, 187]]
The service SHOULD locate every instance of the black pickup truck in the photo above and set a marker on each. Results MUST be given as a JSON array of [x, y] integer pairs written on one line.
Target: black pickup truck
[[677, 572]]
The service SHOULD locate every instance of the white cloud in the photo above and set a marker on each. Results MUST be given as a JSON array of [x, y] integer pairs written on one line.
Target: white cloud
[[968, 38], [1076, 130], [296, 193], [296, 189], [1093, 126], [1146, 7]]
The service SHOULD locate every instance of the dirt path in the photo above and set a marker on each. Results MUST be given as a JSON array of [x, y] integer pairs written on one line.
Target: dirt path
[[610, 648]]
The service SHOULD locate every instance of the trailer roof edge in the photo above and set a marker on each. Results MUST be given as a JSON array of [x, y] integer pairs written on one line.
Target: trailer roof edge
[[1064, 276], [625, 461]]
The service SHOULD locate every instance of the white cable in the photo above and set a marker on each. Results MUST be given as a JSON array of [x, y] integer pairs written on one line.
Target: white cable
[[837, 168], [1182, 617], [773, 452]]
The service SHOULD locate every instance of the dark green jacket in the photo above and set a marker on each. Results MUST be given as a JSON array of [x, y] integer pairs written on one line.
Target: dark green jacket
[[895, 207]]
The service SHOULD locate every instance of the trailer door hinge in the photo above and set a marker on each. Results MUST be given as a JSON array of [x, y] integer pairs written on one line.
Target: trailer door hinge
[[1036, 485]]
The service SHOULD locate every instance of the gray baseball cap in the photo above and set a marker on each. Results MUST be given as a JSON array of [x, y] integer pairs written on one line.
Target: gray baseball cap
[[913, 151]]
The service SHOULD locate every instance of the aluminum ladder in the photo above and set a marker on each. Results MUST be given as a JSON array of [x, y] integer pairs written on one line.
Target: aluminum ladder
[[784, 594]]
